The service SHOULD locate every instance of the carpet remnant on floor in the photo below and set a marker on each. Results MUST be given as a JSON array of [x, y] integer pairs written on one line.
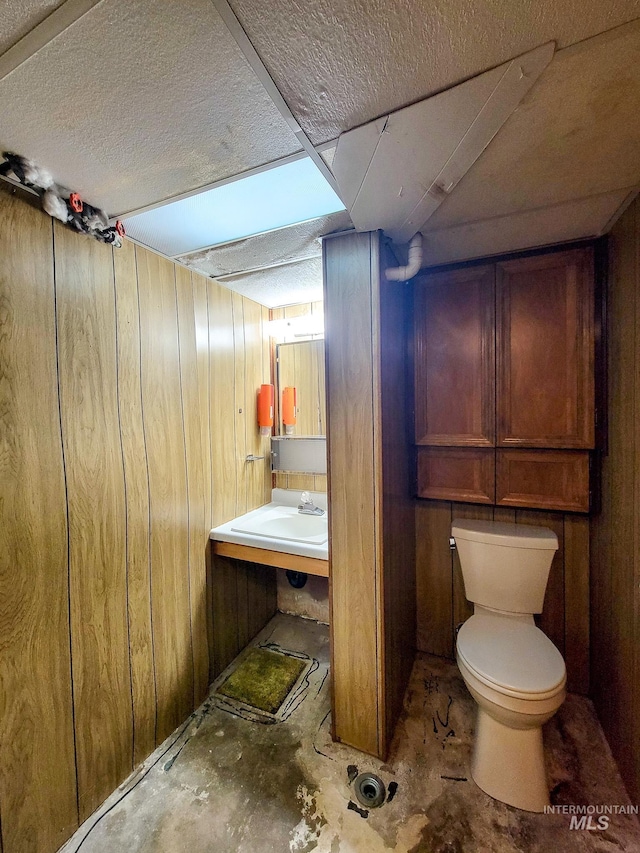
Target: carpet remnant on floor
[[263, 679]]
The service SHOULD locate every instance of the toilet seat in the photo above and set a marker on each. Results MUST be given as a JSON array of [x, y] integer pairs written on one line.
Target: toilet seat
[[510, 656]]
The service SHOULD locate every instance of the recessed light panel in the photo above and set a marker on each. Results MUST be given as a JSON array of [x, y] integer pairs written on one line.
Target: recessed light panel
[[283, 195]]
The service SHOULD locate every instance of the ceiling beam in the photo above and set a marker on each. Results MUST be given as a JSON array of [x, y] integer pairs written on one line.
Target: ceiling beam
[[53, 25], [251, 55]]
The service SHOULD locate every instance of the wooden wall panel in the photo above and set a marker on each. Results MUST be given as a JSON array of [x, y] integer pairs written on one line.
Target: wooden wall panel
[[258, 472], [434, 578], [240, 396], [615, 566], [87, 356], [143, 685], [198, 533], [102, 574], [37, 762], [352, 477], [201, 315], [161, 395], [372, 576], [398, 518], [222, 402]]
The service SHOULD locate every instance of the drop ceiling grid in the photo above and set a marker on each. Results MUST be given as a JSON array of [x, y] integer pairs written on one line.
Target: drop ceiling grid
[[18, 17], [138, 102], [342, 63]]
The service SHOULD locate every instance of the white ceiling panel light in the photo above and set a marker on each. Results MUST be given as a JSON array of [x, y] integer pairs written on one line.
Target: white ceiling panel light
[[291, 192]]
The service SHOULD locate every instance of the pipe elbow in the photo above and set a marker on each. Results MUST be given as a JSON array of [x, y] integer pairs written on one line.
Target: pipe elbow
[[414, 262]]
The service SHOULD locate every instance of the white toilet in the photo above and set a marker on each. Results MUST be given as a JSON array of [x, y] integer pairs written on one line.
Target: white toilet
[[513, 671]]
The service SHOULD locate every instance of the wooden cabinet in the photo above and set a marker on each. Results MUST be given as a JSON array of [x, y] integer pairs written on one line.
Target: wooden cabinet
[[455, 358], [504, 382]]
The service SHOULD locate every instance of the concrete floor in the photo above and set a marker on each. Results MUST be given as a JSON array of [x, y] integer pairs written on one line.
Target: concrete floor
[[234, 782]]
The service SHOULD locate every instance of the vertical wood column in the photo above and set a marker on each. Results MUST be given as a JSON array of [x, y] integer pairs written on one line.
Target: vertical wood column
[[372, 542]]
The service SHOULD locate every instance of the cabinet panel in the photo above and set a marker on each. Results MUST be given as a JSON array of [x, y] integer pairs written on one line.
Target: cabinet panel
[[455, 358], [544, 337], [543, 479], [456, 474]]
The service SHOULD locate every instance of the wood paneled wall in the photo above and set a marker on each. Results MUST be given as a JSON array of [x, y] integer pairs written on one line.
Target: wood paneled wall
[[127, 408], [615, 540], [372, 576], [442, 604]]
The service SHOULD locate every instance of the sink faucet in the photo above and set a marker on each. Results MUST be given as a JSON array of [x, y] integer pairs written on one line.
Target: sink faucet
[[307, 506]]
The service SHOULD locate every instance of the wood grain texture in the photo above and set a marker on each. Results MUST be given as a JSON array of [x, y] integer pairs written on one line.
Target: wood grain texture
[[36, 735], [434, 578], [456, 473], [161, 394], [543, 479], [138, 514], [576, 609], [398, 554], [454, 339], [192, 416], [87, 356], [545, 350], [255, 473], [278, 559], [240, 411], [245, 599], [615, 532], [201, 317], [350, 411], [222, 405]]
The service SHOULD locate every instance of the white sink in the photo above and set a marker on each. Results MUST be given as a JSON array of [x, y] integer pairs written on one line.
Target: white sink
[[285, 523]]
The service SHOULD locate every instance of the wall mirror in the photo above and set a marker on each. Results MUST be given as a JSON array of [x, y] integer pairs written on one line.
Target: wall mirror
[[300, 365]]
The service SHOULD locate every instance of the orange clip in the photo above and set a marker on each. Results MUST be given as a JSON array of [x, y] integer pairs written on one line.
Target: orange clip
[[75, 202], [120, 228]]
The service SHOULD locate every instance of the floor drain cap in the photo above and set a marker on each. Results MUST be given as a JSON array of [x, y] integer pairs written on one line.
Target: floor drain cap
[[370, 790]]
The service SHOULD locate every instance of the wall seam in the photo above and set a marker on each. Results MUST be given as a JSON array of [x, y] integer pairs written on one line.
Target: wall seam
[[66, 494], [186, 476], [146, 460], [126, 509]]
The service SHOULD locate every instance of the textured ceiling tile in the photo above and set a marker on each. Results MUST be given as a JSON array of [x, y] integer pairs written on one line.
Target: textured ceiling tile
[[341, 63], [289, 284], [276, 247], [138, 102], [18, 17], [575, 135]]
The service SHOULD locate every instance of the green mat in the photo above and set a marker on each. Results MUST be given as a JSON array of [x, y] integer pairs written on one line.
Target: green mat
[[263, 679]]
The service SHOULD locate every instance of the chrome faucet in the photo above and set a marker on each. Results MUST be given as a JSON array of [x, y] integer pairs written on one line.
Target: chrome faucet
[[307, 506]]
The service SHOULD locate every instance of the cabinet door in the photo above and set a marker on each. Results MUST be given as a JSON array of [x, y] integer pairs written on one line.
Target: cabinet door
[[545, 342], [543, 479], [457, 474], [454, 348]]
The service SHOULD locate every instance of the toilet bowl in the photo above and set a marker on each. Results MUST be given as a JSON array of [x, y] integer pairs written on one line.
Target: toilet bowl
[[511, 668], [517, 677]]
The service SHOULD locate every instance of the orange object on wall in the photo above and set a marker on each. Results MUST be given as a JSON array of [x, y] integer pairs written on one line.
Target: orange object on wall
[[289, 402], [265, 409]]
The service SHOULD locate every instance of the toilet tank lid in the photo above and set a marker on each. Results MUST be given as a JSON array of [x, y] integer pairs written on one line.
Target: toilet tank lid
[[505, 534]]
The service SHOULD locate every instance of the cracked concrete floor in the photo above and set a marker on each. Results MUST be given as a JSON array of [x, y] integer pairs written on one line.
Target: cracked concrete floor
[[227, 782]]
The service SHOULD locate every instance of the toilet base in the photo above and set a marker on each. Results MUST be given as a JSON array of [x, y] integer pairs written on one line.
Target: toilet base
[[508, 764]]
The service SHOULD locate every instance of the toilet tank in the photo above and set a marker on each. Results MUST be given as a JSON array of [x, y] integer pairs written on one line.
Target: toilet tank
[[504, 566]]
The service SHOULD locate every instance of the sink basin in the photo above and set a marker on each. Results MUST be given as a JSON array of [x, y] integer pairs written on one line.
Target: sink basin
[[287, 524]]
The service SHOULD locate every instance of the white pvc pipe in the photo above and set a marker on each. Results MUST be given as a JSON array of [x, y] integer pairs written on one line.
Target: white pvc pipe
[[414, 262]]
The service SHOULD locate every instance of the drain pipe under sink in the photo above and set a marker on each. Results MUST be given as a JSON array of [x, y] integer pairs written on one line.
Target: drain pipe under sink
[[414, 262]]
